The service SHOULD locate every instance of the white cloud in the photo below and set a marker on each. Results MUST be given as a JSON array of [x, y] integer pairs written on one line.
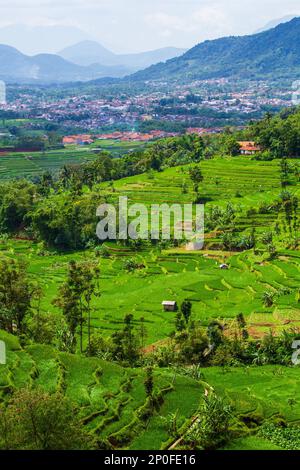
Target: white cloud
[[171, 22], [135, 25], [52, 4], [208, 20]]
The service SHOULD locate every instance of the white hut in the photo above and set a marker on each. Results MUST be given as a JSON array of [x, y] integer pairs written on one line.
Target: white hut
[[224, 266], [169, 305]]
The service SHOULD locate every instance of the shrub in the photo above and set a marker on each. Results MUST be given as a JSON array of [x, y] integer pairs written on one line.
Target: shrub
[[211, 430]]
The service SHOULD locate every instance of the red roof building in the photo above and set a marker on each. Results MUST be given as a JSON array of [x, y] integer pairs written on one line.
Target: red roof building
[[249, 148]]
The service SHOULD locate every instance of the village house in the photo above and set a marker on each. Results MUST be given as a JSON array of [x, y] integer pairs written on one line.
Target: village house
[[249, 148], [81, 139]]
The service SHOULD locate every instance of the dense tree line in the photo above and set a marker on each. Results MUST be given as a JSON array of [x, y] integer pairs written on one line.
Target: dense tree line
[[280, 134]]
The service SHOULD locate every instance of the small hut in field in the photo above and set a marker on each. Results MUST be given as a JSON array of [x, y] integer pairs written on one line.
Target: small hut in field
[[170, 305]]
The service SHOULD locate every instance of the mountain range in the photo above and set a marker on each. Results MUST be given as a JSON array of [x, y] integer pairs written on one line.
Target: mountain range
[[91, 61], [81, 59], [49, 68], [91, 52], [270, 54], [274, 53]]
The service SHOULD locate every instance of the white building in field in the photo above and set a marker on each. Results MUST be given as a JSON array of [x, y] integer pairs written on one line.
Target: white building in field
[[2, 93]]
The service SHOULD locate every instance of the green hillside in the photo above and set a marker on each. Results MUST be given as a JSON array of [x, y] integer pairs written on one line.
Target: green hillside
[[268, 54], [112, 400]]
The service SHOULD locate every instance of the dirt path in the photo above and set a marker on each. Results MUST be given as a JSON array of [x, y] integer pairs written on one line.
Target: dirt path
[[180, 439]]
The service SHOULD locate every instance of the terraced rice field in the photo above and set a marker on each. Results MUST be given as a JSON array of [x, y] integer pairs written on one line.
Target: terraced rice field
[[214, 293], [244, 183], [180, 275], [111, 400], [223, 179], [258, 393]]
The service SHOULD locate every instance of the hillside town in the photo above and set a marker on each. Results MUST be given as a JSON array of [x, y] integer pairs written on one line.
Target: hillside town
[[202, 104]]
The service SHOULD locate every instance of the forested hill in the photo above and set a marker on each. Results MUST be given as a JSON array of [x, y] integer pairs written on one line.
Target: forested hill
[[274, 53]]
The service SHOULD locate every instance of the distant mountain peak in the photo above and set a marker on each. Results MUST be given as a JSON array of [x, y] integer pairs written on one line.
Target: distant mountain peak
[[90, 52], [272, 24], [37, 39], [48, 68]]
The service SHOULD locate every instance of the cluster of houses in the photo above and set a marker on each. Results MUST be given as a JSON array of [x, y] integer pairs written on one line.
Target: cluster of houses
[[204, 131], [86, 139], [81, 139]]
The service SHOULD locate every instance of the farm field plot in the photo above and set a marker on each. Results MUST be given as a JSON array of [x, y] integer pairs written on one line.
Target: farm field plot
[[117, 147], [224, 178], [215, 294], [20, 165], [264, 390], [258, 393]]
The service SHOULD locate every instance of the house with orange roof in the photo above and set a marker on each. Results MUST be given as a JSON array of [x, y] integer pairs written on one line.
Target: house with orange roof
[[78, 139], [249, 148]]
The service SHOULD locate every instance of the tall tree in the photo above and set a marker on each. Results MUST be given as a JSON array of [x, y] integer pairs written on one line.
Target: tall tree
[[75, 297], [16, 294], [196, 178], [186, 309]]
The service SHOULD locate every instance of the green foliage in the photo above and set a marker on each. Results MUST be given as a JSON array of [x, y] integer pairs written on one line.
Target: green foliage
[[280, 136], [211, 429], [149, 382], [196, 177], [43, 327], [125, 346], [230, 146], [35, 420], [16, 294], [186, 309], [17, 199], [286, 437], [66, 221], [76, 295]]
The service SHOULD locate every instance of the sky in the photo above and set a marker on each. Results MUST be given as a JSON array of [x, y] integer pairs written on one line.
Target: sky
[[139, 25]]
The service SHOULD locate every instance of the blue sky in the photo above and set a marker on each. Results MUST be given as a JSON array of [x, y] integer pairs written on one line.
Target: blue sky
[[136, 25]]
